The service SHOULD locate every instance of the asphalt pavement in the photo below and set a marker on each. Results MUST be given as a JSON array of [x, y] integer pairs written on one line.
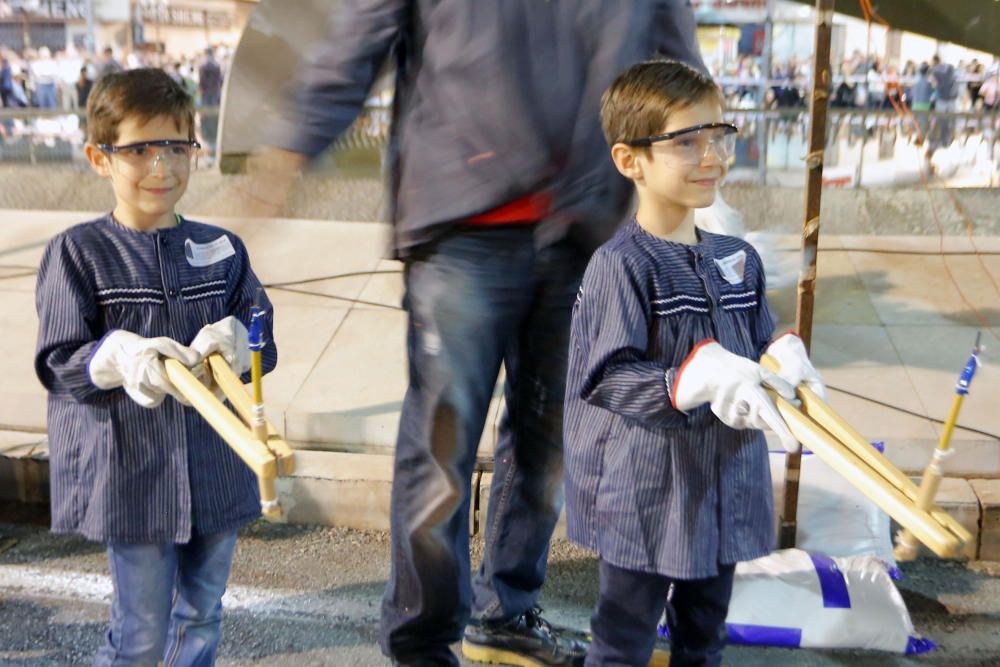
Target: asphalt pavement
[[309, 596]]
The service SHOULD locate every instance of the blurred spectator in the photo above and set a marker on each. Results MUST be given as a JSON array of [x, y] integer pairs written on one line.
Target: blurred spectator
[[945, 85], [921, 94], [135, 61], [209, 96], [109, 65], [974, 71], [44, 73], [907, 76], [945, 101], [210, 80], [68, 65], [173, 71], [893, 89], [83, 86], [187, 73], [875, 86], [922, 90], [501, 188], [990, 90], [6, 79], [844, 93]]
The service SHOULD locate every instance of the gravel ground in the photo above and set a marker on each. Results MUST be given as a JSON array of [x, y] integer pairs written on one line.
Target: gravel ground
[[310, 596]]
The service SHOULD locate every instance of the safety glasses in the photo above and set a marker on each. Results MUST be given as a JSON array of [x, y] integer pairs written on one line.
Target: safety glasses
[[693, 145], [146, 155]]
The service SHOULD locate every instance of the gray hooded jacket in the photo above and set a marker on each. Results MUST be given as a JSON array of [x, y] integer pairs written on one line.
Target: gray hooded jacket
[[495, 99]]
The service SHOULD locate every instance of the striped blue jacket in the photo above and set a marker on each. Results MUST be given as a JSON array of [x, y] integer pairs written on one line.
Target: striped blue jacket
[[119, 472], [648, 487]]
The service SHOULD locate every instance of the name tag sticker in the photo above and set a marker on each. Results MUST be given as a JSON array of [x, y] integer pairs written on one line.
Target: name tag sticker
[[206, 254], [733, 266]]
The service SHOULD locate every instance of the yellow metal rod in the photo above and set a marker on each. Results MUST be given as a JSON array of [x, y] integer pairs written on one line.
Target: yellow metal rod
[[906, 543], [949, 424], [256, 372]]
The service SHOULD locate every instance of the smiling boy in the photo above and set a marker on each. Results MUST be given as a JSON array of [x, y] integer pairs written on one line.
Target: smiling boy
[[130, 467], [667, 473]]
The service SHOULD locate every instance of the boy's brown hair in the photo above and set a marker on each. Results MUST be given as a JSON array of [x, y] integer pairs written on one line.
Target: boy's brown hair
[[146, 93], [638, 102]]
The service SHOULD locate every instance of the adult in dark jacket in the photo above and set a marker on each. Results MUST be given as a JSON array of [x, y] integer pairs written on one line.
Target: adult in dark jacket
[[210, 80], [500, 188], [946, 90], [6, 81], [209, 95], [108, 64]]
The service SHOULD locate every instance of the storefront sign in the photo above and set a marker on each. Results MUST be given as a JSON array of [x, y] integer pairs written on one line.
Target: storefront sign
[[167, 13], [52, 9]]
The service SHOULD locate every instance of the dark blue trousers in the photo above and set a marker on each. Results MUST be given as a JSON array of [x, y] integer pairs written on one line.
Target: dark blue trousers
[[631, 603], [479, 297]]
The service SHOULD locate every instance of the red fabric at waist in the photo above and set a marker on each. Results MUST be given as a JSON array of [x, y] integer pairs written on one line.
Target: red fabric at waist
[[523, 210]]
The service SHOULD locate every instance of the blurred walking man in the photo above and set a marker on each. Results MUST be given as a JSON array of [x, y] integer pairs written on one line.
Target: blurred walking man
[[501, 187]]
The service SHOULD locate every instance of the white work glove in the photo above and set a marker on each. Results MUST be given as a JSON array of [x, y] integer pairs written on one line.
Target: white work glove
[[790, 352], [733, 386], [134, 363], [228, 337]]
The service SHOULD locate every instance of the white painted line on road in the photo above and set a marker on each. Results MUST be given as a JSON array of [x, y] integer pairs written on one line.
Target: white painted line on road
[[30, 582]]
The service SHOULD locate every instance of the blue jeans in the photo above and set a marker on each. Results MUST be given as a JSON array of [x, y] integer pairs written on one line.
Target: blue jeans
[[167, 602], [623, 625], [45, 95], [478, 297]]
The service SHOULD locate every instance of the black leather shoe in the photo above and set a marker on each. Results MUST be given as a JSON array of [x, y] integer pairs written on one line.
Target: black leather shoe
[[527, 640]]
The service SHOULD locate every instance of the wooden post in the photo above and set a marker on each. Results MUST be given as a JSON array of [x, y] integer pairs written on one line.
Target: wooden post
[[810, 237], [129, 28]]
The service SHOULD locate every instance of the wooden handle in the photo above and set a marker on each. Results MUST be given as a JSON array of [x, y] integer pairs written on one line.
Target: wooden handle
[[269, 505], [893, 502], [234, 390], [820, 412], [220, 418]]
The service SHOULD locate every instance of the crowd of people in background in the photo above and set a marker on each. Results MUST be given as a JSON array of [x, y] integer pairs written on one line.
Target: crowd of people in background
[[41, 79], [38, 79], [62, 80], [861, 82]]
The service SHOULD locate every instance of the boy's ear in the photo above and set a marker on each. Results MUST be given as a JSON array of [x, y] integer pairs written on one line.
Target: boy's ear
[[624, 157], [98, 159]]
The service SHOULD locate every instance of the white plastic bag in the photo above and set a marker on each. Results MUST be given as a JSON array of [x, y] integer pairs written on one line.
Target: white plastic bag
[[796, 599]]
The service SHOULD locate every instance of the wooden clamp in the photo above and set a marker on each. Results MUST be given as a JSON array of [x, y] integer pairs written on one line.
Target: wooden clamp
[[268, 458], [824, 432]]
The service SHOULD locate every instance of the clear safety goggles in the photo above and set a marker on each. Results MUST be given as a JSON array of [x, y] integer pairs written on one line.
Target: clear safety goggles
[[145, 156], [693, 145]]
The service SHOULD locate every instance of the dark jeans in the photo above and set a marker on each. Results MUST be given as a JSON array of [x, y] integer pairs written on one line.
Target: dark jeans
[[623, 626], [478, 297]]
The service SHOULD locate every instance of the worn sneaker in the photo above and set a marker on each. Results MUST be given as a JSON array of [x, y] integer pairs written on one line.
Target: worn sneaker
[[527, 640]]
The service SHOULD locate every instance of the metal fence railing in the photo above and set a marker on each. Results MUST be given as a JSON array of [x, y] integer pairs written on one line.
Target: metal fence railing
[[865, 147]]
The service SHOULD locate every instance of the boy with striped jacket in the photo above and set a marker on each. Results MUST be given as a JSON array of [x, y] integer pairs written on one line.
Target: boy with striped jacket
[[667, 473], [130, 467]]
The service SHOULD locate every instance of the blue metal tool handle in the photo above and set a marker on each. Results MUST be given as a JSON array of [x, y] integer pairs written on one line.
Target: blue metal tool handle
[[965, 379], [255, 334]]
